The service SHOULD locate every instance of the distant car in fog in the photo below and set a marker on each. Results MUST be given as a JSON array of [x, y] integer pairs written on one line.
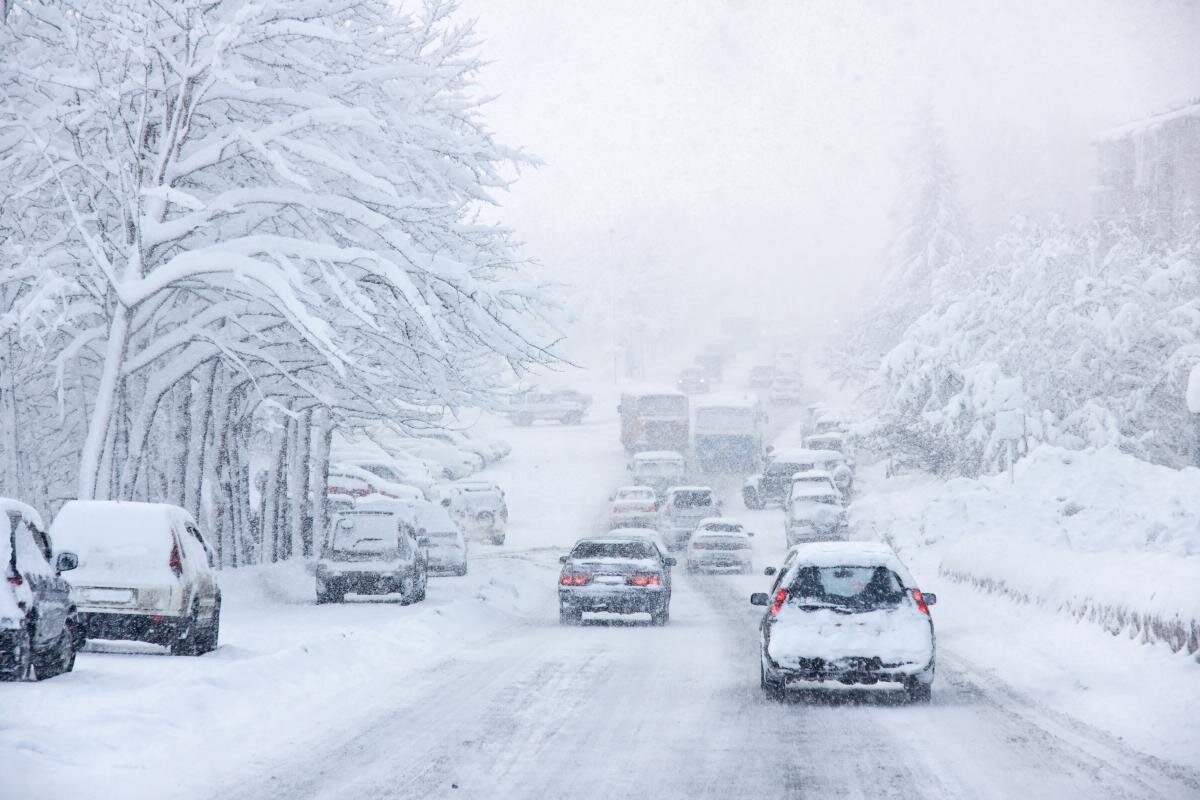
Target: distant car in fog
[[538, 405], [634, 507], [815, 514], [616, 574], [720, 544], [692, 380], [771, 486], [786, 388], [761, 376], [659, 469], [845, 613], [479, 507], [682, 510]]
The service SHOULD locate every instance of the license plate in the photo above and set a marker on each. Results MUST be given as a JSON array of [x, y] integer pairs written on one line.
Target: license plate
[[110, 595], [610, 580]]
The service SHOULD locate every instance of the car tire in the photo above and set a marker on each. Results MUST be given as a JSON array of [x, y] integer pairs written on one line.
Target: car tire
[[188, 643], [23, 669], [330, 596], [60, 659], [569, 616], [424, 590], [772, 688], [461, 571], [498, 539], [918, 692], [661, 617], [211, 633]]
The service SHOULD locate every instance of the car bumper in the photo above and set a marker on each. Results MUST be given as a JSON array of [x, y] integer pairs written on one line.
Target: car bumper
[[153, 628], [848, 671], [619, 601], [362, 582]]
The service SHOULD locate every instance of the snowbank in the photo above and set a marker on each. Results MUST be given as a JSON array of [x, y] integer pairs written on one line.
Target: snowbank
[[1095, 534]]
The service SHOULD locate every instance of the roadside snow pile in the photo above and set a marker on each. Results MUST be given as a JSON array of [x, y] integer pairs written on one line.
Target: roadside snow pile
[[1097, 534]]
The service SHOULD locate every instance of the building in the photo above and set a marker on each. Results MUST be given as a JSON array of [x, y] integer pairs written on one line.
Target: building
[[1149, 171]]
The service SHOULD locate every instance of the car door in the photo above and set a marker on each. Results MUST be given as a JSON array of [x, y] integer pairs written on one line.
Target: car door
[[51, 594]]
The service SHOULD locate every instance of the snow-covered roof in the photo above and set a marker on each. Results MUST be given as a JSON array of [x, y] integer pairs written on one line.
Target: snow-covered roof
[[721, 521], [634, 488], [658, 455], [1121, 131], [812, 475], [689, 489]]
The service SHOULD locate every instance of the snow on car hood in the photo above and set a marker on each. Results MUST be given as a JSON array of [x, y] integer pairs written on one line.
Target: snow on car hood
[[900, 635]]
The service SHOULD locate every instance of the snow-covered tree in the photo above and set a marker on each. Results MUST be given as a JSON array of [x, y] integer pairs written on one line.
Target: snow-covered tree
[[218, 208]]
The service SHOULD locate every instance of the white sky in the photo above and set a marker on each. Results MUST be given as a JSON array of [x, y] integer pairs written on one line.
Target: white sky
[[752, 144]]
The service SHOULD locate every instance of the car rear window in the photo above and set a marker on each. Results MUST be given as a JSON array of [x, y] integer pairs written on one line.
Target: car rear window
[[696, 499], [857, 588], [366, 532], [629, 550], [723, 542]]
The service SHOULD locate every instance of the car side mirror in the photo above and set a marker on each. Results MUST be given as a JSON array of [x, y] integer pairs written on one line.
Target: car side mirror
[[770, 571], [562, 559], [669, 561], [760, 599], [929, 597], [66, 561]]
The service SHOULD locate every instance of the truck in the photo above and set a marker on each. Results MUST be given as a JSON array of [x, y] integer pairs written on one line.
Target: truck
[[727, 434], [654, 419]]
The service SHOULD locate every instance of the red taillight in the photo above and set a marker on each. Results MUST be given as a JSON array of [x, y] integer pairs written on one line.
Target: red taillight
[[176, 562], [649, 579], [920, 598], [575, 579], [15, 580], [780, 598], [699, 546]]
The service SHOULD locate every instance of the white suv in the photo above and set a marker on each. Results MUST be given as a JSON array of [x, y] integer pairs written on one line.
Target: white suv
[[145, 573]]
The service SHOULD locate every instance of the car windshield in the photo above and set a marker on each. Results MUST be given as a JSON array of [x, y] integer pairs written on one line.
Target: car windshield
[[368, 533], [625, 550], [822, 499], [699, 498], [860, 588]]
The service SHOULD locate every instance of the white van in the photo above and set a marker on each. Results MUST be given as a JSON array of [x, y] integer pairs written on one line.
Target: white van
[[145, 573]]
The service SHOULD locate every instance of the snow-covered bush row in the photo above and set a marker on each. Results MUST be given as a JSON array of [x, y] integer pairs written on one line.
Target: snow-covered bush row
[[232, 228], [1100, 337], [1097, 534]]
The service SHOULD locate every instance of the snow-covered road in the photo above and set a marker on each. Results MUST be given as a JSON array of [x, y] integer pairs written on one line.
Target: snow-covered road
[[479, 693]]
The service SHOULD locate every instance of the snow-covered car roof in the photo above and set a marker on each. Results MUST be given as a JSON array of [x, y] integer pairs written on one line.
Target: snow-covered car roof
[[812, 476], [720, 521], [805, 455], [29, 512], [849, 554], [658, 455], [479, 486], [828, 436], [631, 489]]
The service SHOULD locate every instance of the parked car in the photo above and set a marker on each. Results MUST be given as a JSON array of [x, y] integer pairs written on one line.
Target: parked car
[[848, 612], [831, 440], [447, 544], [786, 388], [682, 510], [489, 450], [761, 376], [692, 380], [39, 630], [815, 514], [773, 484], [359, 481], [145, 572], [405, 472], [659, 469], [618, 574], [634, 507], [816, 478], [720, 544], [453, 461], [372, 549], [566, 407], [479, 508]]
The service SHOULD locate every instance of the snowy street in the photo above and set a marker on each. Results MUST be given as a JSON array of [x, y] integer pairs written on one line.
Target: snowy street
[[480, 693]]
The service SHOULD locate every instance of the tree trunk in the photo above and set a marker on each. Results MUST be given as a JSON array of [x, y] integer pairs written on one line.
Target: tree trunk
[[299, 470], [100, 424]]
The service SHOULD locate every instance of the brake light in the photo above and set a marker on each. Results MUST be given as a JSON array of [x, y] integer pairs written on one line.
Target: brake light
[[920, 598], [647, 579], [575, 579], [176, 561], [15, 580], [780, 598], [699, 546]]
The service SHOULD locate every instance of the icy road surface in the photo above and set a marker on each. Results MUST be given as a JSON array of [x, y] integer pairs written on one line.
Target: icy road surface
[[479, 693]]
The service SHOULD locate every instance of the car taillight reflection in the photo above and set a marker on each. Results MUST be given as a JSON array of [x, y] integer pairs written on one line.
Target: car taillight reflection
[[645, 579], [575, 579], [175, 562]]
